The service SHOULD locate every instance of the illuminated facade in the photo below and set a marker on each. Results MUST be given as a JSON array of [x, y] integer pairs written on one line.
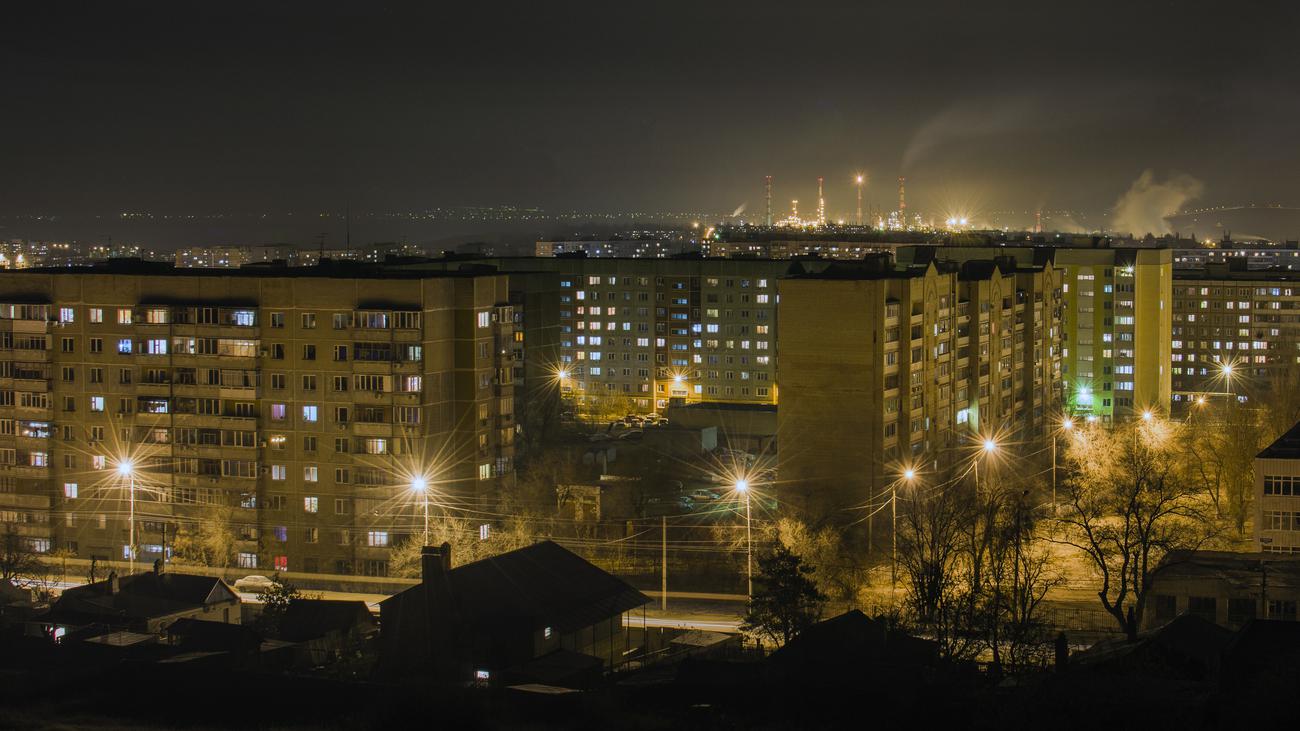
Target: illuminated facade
[[635, 333], [1116, 322], [1231, 315], [294, 407], [883, 368]]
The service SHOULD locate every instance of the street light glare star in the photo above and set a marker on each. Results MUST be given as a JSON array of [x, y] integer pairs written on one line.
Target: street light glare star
[[419, 484], [1147, 415], [742, 485], [125, 468], [1067, 424], [990, 445], [909, 474]]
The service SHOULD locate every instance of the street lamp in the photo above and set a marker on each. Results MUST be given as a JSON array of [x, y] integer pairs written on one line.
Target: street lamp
[[421, 486], [909, 474], [1067, 425], [990, 446], [742, 487], [126, 468]]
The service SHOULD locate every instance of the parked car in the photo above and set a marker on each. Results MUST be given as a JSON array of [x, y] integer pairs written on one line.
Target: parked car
[[253, 584], [704, 495]]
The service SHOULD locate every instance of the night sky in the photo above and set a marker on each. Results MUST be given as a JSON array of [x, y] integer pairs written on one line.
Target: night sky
[[641, 106]]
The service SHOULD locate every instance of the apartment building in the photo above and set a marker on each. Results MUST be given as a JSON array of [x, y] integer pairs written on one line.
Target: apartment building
[[1277, 495], [884, 367], [1229, 314], [293, 405], [636, 333], [1116, 322]]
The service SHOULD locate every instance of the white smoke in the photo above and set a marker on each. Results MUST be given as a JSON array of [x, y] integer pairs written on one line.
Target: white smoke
[[1142, 210], [739, 210]]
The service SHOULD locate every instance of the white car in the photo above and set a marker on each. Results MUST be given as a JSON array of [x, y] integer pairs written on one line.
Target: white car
[[254, 584]]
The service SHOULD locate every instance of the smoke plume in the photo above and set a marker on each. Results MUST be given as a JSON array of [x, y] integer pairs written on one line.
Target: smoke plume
[[739, 209], [1142, 210]]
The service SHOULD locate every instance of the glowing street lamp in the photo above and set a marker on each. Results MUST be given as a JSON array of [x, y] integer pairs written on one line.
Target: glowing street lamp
[[990, 446], [742, 487], [421, 486], [909, 475], [126, 469], [1067, 425]]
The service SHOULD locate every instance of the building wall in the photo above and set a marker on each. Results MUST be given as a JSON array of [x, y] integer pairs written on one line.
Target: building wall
[[1116, 323], [690, 328], [1277, 505], [907, 370], [235, 408], [1250, 319]]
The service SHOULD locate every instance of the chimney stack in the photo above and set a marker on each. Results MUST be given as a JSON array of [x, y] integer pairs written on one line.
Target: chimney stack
[[435, 561], [113, 585]]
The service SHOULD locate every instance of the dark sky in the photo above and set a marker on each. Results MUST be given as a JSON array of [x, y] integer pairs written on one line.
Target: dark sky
[[641, 105]]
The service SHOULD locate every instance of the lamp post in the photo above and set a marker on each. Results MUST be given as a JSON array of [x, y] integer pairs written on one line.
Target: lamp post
[[1147, 416], [990, 446], [126, 469], [742, 487], [421, 485], [908, 475], [1067, 425]]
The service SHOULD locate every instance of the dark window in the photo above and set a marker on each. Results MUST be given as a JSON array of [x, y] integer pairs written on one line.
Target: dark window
[[1204, 607], [1240, 610]]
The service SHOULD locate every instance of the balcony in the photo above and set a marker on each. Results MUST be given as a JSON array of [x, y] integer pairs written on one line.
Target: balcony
[[370, 429]]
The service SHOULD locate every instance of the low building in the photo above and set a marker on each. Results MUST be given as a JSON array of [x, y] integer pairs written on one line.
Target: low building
[[327, 630], [1277, 495], [148, 602], [1229, 589], [485, 620]]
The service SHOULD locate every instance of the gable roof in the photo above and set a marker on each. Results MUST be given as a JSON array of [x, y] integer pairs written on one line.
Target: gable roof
[[1286, 446], [307, 619], [544, 583], [141, 596]]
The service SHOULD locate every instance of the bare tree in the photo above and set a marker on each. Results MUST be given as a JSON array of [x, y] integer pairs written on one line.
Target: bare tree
[[939, 599], [1129, 503], [208, 540], [466, 542], [18, 560]]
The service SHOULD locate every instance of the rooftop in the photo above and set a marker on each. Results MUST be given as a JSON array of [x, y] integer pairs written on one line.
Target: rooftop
[[1286, 446], [544, 583]]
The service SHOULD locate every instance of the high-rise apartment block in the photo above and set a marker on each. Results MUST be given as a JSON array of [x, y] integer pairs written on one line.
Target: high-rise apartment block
[[1231, 315], [1116, 320], [884, 368], [292, 406], [639, 332]]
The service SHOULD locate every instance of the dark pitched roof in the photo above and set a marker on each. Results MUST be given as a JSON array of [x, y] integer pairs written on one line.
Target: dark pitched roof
[[1188, 647], [854, 639], [140, 596], [307, 619], [1286, 446], [198, 634], [543, 583]]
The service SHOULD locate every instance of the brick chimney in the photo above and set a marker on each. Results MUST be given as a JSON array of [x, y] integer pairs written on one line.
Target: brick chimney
[[113, 585], [441, 620], [435, 561]]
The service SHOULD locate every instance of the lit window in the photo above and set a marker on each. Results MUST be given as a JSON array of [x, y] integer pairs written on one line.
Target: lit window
[[309, 414], [311, 504], [70, 490]]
